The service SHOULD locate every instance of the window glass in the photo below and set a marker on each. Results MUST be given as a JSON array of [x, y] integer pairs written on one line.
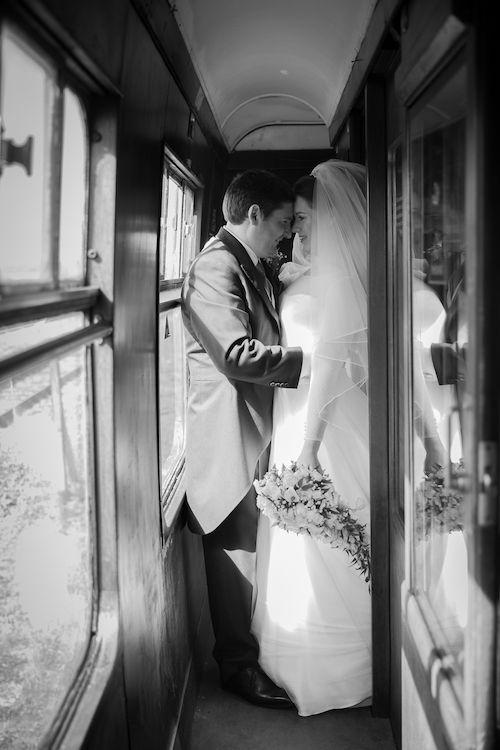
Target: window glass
[[28, 96], [45, 556], [172, 378], [72, 218], [440, 333], [189, 231], [43, 187], [177, 227]]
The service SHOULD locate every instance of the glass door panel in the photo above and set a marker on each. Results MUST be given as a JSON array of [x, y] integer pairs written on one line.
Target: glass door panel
[[439, 343]]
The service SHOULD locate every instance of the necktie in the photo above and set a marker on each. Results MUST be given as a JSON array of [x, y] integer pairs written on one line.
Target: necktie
[[265, 281]]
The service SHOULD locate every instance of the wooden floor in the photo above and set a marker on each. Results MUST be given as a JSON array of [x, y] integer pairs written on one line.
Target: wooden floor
[[225, 722]]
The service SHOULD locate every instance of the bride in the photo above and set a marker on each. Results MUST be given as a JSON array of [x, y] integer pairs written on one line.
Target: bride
[[312, 615]]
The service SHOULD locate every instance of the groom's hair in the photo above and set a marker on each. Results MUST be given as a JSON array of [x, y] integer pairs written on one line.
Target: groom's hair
[[255, 186]]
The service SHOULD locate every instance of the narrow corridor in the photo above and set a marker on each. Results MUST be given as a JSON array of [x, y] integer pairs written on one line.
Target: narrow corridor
[[225, 722]]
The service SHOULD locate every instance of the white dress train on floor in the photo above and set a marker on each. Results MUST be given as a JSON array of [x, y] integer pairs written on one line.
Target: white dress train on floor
[[312, 615]]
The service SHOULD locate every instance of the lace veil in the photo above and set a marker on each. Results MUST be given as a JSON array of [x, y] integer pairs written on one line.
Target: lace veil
[[339, 283]]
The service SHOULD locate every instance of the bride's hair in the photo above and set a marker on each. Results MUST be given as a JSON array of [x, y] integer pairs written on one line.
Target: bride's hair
[[304, 188]]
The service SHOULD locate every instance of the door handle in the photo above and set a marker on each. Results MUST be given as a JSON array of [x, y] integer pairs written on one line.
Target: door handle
[[10, 153]]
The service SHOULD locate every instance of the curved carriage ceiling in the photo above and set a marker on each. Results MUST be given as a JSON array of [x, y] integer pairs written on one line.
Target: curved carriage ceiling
[[273, 71]]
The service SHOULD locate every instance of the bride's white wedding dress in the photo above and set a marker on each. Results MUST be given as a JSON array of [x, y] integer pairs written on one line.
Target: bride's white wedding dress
[[312, 614]]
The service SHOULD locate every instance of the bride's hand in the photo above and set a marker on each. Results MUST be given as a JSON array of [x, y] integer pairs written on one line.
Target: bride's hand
[[435, 454], [308, 456]]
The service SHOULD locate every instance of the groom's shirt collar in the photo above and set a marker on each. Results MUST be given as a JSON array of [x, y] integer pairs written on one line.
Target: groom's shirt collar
[[254, 258]]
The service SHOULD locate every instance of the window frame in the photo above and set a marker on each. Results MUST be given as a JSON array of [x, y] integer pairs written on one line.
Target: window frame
[[172, 165], [99, 102], [172, 494], [440, 688], [76, 80]]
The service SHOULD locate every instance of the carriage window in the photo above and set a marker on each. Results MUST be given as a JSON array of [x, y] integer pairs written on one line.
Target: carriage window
[[178, 225], [46, 431], [15, 338], [46, 555], [43, 172], [172, 399], [178, 243], [440, 332]]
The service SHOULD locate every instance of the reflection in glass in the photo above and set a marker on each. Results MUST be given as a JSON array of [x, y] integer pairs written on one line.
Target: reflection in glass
[[172, 389], [46, 555], [437, 201]]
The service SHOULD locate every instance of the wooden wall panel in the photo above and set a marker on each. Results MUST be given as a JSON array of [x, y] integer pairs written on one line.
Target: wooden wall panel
[[154, 607], [160, 20], [93, 31], [109, 727], [187, 626], [161, 591]]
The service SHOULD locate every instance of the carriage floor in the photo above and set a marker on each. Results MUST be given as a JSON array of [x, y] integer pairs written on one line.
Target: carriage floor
[[223, 721]]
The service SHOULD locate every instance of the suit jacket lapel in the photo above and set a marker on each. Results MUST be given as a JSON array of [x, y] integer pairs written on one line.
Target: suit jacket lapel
[[248, 267]]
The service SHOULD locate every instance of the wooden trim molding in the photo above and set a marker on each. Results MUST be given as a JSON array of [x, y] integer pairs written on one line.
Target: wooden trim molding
[[379, 388], [22, 308]]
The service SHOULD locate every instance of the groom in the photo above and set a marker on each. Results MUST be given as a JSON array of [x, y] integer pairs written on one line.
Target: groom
[[235, 362]]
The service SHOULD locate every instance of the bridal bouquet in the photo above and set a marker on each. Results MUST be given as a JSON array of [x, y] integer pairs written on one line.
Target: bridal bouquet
[[304, 501], [439, 508]]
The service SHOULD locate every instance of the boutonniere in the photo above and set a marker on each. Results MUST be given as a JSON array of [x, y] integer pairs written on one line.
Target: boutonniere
[[275, 262]]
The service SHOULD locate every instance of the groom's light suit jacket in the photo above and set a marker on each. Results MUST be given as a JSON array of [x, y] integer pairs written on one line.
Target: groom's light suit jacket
[[235, 362]]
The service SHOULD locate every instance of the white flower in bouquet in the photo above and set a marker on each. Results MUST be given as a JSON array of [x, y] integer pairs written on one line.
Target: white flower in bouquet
[[304, 501]]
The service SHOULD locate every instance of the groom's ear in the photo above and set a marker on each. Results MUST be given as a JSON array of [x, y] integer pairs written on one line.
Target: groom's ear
[[254, 213]]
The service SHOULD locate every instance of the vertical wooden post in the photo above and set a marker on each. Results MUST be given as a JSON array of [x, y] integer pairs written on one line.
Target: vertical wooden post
[[376, 162]]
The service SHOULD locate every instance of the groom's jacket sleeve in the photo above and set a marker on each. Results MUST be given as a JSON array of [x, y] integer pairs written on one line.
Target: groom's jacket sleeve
[[223, 312]]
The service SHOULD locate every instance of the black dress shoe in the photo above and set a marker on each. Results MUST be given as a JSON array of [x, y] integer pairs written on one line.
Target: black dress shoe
[[255, 686]]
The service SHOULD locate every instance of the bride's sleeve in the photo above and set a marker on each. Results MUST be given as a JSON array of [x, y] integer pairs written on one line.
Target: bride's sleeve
[[329, 380], [339, 359]]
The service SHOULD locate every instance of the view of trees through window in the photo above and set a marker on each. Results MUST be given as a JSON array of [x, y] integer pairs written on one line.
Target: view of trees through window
[[46, 508]]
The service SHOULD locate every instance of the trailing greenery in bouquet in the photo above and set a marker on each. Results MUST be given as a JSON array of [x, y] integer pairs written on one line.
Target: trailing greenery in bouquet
[[439, 508], [304, 501]]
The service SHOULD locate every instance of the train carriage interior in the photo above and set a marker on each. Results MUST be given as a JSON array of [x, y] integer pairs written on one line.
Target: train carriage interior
[[122, 122]]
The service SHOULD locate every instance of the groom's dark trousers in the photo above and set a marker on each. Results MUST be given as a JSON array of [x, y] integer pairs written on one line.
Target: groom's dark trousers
[[230, 567], [235, 361]]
